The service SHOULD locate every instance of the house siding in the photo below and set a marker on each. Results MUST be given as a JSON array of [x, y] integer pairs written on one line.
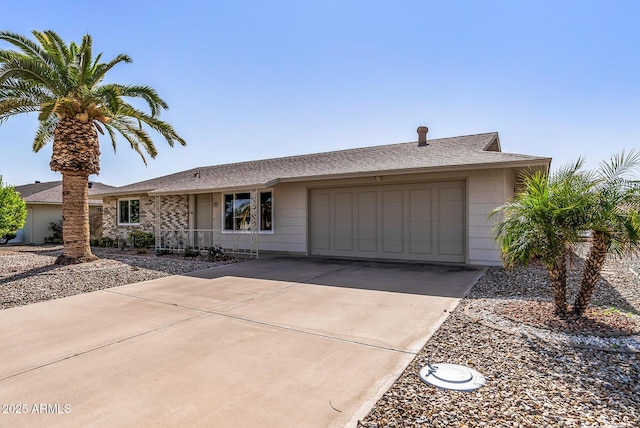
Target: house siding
[[39, 217], [485, 191], [289, 228]]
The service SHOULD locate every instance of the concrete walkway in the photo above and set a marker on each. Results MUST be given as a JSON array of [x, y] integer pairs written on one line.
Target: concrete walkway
[[287, 342]]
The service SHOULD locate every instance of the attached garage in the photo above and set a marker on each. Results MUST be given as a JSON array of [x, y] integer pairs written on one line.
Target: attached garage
[[423, 221]]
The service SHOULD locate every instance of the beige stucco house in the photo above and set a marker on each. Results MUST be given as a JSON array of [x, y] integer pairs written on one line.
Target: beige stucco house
[[44, 206], [426, 200]]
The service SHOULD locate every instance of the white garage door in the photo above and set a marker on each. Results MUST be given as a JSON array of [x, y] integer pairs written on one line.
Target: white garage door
[[410, 222]]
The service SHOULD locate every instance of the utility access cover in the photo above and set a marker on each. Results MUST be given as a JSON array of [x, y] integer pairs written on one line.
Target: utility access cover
[[452, 376]]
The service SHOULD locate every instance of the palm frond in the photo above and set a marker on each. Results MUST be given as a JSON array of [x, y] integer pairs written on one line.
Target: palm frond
[[27, 46], [85, 60], [56, 54], [45, 133], [147, 93], [102, 69], [620, 165], [129, 133], [21, 68]]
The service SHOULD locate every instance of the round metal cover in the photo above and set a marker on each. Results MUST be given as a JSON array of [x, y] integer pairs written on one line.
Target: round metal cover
[[452, 376]]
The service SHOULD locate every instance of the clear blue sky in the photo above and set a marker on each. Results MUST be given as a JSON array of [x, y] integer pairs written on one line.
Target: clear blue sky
[[255, 79]]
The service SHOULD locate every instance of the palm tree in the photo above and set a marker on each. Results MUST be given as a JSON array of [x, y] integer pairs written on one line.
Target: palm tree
[[64, 84], [614, 220], [543, 221]]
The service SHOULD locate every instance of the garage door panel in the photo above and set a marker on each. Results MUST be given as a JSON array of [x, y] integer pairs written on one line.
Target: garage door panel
[[343, 237], [367, 224], [418, 221], [393, 221], [451, 242], [321, 221]]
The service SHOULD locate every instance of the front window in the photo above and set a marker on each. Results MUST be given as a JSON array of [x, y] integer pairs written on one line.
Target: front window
[[265, 211], [129, 211], [237, 211]]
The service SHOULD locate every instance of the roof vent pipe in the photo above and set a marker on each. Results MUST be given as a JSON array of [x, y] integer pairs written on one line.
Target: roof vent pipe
[[422, 136]]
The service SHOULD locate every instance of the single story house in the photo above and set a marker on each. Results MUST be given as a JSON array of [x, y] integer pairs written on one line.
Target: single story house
[[426, 200], [44, 206]]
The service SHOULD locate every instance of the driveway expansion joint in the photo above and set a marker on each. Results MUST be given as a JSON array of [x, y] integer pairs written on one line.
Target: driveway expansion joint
[[97, 348]]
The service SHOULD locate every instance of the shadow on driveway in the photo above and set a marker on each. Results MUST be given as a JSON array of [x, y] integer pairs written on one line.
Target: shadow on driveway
[[398, 277]]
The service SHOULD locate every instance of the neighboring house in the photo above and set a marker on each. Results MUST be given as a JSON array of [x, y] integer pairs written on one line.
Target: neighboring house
[[424, 200], [44, 206]]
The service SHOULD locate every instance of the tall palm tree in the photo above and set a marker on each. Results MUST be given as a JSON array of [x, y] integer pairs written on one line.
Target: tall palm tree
[[543, 221], [64, 84], [614, 220]]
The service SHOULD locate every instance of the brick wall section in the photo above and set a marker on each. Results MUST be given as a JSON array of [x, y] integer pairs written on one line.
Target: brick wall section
[[174, 214], [109, 217]]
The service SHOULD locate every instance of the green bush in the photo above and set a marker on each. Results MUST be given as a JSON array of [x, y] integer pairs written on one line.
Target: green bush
[[105, 242], [216, 253], [190, 252], [140, 239], [13, 210], [56, 229]]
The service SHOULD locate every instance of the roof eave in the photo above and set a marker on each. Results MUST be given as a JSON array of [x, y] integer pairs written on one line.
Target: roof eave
[[542, 162], [536, 163]]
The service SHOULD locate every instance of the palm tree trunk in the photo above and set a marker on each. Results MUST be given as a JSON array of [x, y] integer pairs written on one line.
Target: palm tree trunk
[[75, 219], [558, 277], [592, 269]]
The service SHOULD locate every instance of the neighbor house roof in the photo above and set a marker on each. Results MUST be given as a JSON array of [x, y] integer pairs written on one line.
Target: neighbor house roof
[[51, 192], [445, 154]]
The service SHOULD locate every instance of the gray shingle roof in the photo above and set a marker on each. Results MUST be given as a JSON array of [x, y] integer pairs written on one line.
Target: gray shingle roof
[[51, 192], [466, 152]]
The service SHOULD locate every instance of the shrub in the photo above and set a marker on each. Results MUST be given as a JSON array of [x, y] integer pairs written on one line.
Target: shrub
[[56, 229], [215, 253], [190, 252], [13, 210], [106, 242], [140, 239]]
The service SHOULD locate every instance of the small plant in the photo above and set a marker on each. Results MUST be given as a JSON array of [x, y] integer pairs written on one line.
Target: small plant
[[190, 252], [56, 228], [104, 242], [216, 253], [160, 252], [611, 311], [107, 242], [141, 239], [123, 244], [6, 238]]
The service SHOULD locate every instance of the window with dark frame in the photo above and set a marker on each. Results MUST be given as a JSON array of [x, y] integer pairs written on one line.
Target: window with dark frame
[[266, 205], [237, 211], [129, 211]]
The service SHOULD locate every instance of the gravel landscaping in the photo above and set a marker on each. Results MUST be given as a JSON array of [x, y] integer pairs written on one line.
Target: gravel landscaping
[[540, 371], [538, 374], [27, 274]]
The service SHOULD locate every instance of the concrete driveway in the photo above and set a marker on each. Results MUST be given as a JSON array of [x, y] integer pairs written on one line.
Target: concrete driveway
[[285, 342]]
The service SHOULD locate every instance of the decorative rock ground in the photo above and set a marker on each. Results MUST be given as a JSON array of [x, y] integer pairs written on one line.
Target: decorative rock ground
[[531, 381]]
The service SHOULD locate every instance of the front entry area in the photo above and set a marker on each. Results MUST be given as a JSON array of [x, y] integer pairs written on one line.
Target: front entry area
[[423, 221]]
